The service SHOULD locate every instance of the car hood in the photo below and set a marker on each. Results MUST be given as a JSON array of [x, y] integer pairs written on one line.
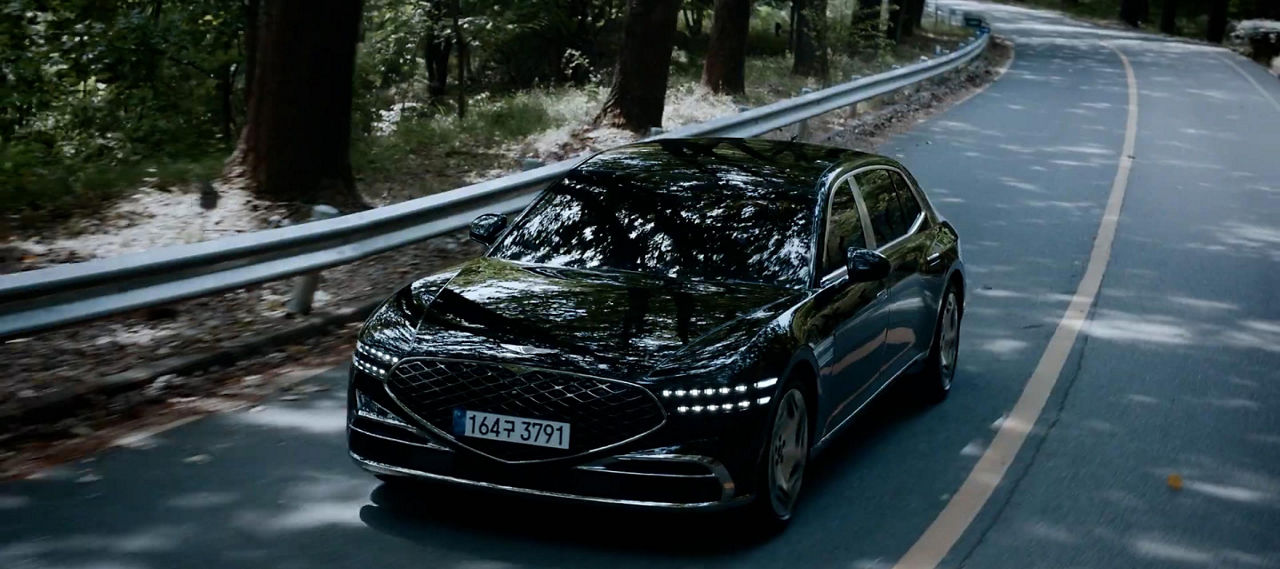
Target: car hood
[[605, 323]]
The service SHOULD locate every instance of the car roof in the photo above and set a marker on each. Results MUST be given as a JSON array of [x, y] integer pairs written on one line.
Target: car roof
[[788, 169]]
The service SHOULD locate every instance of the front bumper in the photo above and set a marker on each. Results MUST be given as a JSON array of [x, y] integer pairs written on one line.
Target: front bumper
[[672, 468]]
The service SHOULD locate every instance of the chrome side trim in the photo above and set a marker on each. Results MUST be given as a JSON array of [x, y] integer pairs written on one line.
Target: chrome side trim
[[915, 228], [832, 432], [456, 440], [379, 468], [727, 486], [385, 421], [427, 444], [607, 470]]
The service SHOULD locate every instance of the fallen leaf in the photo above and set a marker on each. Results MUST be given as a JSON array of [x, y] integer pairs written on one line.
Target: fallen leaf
[[1175, 481]]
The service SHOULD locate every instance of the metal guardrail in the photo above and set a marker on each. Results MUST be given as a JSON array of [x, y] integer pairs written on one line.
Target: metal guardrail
[[41, 299]]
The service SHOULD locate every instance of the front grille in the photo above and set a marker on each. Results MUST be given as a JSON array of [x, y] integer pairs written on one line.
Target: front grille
[[601, 412]]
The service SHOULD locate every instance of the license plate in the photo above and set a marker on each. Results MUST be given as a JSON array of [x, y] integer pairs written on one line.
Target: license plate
[[510, 429]]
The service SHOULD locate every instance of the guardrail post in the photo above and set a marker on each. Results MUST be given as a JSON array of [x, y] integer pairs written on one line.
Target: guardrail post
[[304, 287], [802, 130]]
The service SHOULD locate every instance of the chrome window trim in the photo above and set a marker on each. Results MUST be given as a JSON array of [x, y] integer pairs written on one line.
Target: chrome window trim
[[915, 224], [863, 218], [455, 440], [380, 468], [911, 231]]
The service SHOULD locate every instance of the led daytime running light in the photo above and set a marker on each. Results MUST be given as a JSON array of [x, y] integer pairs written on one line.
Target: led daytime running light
[[375, 353], [368, 368], [710, 391]]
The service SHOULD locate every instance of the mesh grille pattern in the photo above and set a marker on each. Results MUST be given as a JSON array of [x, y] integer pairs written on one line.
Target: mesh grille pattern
[[600, 412]]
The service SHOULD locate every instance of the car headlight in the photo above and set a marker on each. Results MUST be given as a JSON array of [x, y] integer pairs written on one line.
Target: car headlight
[[388, 334], [371, 360], [740, 397]]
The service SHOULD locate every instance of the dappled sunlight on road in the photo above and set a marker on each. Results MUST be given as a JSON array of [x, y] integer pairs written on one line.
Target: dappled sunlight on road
[[315, 417], [317, 500]]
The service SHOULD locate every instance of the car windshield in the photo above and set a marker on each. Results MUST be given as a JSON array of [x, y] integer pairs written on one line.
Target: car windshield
[[719, 227]]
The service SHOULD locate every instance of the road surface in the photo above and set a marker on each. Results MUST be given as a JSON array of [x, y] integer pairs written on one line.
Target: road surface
[[1175, 372]]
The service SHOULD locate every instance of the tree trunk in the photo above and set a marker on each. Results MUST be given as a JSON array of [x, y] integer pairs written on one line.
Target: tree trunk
[[296, 142], [892, 30], [1133, 12], [724, 70], [226, 83], [693, 19], [917, 13], [1217, 21], [1169, 16], [251, 32], [640, 78], [906, 19], [461, 41], [436, 54], [810, 57]]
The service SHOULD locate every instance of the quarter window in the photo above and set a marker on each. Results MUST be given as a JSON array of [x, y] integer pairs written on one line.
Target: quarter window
[[906, 198], [880, 194], [844, 229]]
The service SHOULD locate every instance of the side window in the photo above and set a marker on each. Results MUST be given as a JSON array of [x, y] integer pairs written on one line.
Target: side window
[[880, 195], [906, 199], [844, 229]]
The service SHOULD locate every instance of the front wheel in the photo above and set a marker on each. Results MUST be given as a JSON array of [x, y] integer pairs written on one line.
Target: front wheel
[[940, 366], [786, 455]]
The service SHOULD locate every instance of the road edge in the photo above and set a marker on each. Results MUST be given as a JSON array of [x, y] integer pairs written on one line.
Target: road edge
[[955, 518]]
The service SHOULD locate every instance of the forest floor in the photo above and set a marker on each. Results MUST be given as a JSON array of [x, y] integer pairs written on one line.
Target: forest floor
[[36, 368]]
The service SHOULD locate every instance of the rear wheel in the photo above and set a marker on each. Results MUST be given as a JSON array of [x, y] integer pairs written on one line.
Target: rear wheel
[[940, 366], [786, 456]]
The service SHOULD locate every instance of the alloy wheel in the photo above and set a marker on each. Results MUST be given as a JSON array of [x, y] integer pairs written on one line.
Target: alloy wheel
[[949, 340], [788, 452]]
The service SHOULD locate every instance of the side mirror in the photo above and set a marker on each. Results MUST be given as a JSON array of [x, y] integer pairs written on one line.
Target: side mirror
[[865, 265], [487, 227]]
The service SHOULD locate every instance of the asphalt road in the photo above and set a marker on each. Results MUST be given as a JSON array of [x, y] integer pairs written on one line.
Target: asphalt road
[[1175, 373]]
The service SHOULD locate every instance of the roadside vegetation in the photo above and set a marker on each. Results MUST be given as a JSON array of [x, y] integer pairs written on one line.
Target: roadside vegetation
[[389, 99], [1209, 20]]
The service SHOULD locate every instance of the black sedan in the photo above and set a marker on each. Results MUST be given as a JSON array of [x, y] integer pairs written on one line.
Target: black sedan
[[678, 323]]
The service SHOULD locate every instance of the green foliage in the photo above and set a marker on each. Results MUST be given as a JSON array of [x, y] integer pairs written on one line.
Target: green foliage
[[97, 96], [1192, 15], [763, 37], [439, 132], [92, 91]]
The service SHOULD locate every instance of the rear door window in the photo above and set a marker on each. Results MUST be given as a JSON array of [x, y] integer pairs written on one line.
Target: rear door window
[[906, 199], [883, 208]]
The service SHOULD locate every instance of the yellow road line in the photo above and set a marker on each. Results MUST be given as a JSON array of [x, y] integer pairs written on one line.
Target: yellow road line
[[964, 505], [1256, 85]]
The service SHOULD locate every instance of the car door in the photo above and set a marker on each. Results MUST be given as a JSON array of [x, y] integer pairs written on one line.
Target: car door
[[913, 308], [852, 355], [891, 230]]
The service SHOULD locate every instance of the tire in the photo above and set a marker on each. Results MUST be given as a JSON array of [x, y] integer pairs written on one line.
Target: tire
[[397, 483], [940, 366], [785, 458]]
